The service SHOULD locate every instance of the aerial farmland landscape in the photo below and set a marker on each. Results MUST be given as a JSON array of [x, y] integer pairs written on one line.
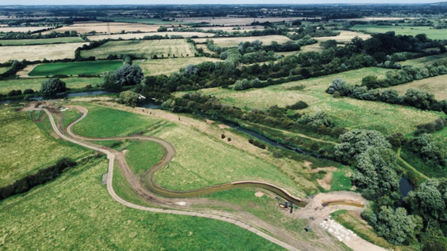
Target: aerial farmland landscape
[[223, 125]]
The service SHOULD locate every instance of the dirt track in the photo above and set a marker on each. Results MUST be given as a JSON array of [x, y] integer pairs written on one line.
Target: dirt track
[[134, 181]]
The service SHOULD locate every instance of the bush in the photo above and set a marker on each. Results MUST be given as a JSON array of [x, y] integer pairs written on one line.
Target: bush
[[257, 143], [298, 105], [128, 98], [53, 86]]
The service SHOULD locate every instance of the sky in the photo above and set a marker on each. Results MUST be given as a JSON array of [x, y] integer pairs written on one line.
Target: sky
[[111, 2]]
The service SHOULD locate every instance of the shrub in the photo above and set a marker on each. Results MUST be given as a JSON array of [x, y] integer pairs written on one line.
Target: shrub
[[53, 86]]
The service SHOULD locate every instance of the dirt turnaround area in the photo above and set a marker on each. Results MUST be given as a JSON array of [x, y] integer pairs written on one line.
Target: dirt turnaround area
[[314, 209]]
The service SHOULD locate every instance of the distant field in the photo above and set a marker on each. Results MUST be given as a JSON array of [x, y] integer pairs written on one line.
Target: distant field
[[204, 47], [347, 112], [38, 52], [75, 68], [170, 65], [35, 83], [139, 20], [345, 36], [435, 85], [23, 29], [234, 41], [76, 212], [402, 30], [26, 148], [100, 27], [424, 60], [232, 28], [146, 48], [58, 40], [141, 35], [234, 20]]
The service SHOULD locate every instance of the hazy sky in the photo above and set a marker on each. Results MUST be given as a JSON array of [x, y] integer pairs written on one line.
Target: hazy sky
[[81, 2]]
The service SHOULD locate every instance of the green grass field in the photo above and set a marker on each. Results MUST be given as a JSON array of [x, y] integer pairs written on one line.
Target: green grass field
[[107, 122], [35, 83], [141, 155], [346, 112], [142, 48], [169, 65], [27, 148], [402, 30], [75, 68], [76, 212], [202, 161], [58, 40], [340, 181]]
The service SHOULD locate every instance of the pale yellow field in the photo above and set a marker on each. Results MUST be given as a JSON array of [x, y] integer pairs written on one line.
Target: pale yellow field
[[141, 35], [170, 65], [38, 52], [143, 48], [234, 20], [234, 41], [23, 29], [345, 36], [436, 85], [101, 27]]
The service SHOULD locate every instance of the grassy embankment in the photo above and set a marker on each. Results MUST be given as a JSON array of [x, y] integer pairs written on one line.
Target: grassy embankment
[[29, 146]]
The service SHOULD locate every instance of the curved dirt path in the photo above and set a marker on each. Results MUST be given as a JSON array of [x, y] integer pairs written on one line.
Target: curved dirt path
[[148, 178], [134, 181], [111, 157]]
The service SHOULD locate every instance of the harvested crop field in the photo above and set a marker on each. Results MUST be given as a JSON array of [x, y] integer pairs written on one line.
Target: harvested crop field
[[23, 29], [419, 62], [169, 65], [345, 36], [141, 35], [58, 40], [234, 20], [100, 27], [402, 30], [142, 48], [75, 68], [38, 52], [435, 85], [234, 41]]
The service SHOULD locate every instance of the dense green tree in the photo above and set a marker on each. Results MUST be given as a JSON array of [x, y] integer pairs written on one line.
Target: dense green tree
[[376, 175], [110, 83], [128, 98], [396, 226], [358, 141], [429, 200], [129, 75], [52, 86]]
